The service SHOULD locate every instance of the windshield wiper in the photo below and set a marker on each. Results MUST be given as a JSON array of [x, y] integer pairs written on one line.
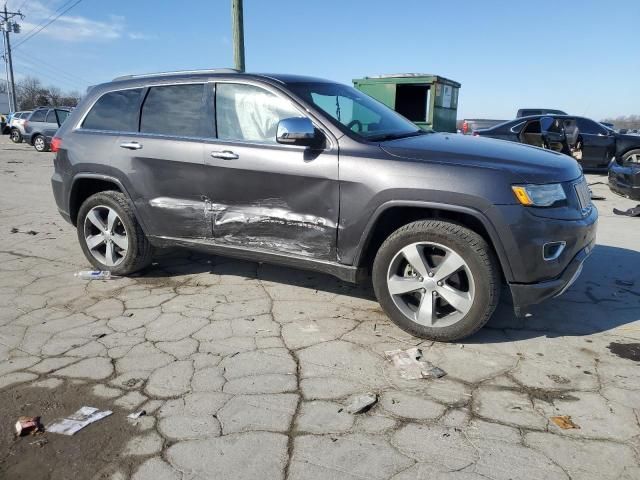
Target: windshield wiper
[[395, 136]]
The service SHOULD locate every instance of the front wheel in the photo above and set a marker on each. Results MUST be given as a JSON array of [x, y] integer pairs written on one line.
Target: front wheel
[[437, 280], [631, 157], [16, 136], [40, 144], [110, 235]]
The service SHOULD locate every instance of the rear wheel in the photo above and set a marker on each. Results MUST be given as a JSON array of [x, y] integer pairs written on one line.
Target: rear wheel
[[110, 235], [40, 144], [15, 135], [436, 280]]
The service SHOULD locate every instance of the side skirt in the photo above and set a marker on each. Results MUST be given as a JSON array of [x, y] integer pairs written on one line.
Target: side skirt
[[347, 273]]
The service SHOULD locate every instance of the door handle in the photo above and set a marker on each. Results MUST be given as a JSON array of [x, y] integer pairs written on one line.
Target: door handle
[[225, 155], [131, 145]]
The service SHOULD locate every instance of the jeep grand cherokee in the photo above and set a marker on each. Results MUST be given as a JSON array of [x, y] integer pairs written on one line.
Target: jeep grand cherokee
[[313, 174]]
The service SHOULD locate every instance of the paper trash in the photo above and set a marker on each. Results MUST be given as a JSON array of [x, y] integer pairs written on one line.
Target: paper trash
[[77, 421]]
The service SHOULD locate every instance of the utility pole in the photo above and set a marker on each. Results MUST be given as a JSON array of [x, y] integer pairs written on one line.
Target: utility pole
[[238, 34], [7, 28]]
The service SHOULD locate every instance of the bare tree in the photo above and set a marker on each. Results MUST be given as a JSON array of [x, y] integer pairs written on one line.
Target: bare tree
[[31, 93]]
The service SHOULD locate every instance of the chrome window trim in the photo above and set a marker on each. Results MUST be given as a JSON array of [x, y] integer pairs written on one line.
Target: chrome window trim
[[78, 125], [517, 125], [331, 140], [305, 112]]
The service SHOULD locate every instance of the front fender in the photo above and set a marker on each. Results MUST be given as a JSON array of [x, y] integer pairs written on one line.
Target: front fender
[[436, 207]]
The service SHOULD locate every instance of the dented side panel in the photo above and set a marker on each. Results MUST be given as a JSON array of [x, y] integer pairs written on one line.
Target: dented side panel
[[166, 176], [276, 198]]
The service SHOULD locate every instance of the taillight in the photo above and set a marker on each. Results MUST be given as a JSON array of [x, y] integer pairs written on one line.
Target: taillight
[[465, 127], [56, 143]]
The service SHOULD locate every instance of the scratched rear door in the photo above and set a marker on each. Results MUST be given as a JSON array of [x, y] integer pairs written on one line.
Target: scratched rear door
[[163, 161], [264, 195]]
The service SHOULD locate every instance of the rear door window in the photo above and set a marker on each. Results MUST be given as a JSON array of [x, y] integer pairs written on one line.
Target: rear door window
[[38, 116], [115, 112], [174, 110], [51, 117]]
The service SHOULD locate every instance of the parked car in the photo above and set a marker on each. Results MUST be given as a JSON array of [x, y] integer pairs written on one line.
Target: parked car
[[589, 142], [470, 125], [42, 124], [624, 175], [313, 174], [527, 112], [16, 126]]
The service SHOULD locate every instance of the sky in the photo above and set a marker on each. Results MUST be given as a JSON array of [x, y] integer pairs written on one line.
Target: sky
[[579, 56]]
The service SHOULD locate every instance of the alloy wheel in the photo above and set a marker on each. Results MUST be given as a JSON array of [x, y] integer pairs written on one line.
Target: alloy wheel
[[39, 144], [633, 158], [106, 236], [431, 284]]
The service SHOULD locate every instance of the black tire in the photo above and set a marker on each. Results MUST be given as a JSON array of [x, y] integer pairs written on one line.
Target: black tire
[[15, 135], [40, 143], [139, 252], [473, 249]]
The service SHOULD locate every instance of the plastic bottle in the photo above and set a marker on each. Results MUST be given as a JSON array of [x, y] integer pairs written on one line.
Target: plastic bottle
[[93, 275]]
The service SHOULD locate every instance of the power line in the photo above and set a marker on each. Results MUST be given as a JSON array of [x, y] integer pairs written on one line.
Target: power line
[[49, 17], [40, 75], [39, 62], [28, 37], [47, 72]]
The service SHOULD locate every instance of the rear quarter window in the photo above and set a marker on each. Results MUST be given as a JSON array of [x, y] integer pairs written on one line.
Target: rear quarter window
[[115, 111]]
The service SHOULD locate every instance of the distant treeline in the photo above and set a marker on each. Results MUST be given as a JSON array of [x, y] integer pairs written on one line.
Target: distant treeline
[[31, 93], [629, 121]]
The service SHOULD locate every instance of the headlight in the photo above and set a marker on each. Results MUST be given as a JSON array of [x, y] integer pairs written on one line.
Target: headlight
[[539, 195]]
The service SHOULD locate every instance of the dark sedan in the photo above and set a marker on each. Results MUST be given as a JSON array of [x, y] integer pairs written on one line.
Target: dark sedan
[[589, 142], [624, 175]]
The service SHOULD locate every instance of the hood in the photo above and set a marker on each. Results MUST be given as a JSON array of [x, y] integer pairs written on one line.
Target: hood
[[629, 137], [531, 164]]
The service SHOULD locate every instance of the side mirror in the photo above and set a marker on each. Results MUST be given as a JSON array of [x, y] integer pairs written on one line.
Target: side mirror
[[298, 131]]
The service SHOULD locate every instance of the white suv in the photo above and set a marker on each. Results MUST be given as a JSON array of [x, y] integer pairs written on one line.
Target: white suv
[[16, 126]]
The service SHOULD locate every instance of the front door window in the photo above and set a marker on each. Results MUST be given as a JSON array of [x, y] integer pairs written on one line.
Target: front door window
[[250, 114]]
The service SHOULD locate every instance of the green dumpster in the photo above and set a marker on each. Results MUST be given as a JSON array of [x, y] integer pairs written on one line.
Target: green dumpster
[[429, 101]]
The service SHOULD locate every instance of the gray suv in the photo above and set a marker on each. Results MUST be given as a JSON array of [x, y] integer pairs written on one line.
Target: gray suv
[[42, 124], [313, 174]]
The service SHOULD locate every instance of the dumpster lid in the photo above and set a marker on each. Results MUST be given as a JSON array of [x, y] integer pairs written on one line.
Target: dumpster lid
[[408, 78], [402, 75]]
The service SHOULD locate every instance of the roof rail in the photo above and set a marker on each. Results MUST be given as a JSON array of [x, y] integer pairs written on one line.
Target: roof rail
[[178, 72]]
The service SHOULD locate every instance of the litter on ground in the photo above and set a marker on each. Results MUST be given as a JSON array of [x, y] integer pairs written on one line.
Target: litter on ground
[[564, 422], [27, 425], [77, 421], [412, 365], [362, 403]]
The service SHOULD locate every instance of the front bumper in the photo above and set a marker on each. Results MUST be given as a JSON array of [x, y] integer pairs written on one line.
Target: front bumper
[[532, 293], [625, 180]]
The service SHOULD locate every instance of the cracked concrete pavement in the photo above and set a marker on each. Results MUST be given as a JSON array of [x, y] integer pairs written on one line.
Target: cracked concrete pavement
[[245, 369]]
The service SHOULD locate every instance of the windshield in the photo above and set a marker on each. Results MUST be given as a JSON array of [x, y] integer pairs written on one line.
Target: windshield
[[352, 109]]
